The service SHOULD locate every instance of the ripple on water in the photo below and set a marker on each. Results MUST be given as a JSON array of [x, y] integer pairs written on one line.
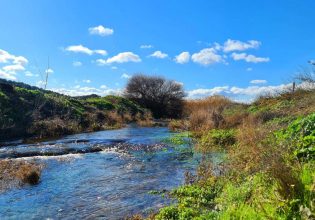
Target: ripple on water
[[110, 184]]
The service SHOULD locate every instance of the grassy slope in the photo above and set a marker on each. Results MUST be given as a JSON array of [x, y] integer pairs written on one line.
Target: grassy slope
[[32, 112], [269, 168]]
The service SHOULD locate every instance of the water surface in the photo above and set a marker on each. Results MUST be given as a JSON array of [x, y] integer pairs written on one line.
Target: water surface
[[104, 175]]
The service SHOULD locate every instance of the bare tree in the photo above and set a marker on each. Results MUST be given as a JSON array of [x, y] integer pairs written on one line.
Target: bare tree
[[163, 97]]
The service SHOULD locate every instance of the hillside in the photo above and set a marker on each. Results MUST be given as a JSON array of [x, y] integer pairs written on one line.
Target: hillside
[[28, 111]]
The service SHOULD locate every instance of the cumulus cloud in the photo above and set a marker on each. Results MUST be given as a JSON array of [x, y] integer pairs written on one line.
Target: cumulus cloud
[[13, 68], [182, 58], [77, 63], [236, 45], [6, 75], [207, 56], [101, 31], [258, 81], [244, 94], [123, 57], [125, 76], [249, 58], [199, 93], [49, 71], [80, 91], [158, 54], [12, 65], [146, 46], [82, 49], [86, 81], [30, 74]]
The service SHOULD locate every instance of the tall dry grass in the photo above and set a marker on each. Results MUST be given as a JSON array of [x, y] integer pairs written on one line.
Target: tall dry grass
[[206, 114], [14, 173]]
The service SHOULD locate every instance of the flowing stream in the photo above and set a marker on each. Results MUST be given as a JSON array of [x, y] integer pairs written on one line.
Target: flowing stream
[[102, 175]]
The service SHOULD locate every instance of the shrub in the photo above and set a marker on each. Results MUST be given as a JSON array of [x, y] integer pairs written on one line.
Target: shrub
[[300, 135], [14, 173], [216, 139], [205, 114], [178, 125]]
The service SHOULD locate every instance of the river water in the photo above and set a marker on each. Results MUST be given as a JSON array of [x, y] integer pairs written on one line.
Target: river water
[[99, 175]]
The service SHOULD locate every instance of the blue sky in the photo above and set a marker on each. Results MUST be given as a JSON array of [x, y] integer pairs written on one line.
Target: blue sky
[[235, 48]]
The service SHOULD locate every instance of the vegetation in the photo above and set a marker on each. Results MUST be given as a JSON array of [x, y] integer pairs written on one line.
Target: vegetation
[[163, 97], [16, 173], [268, 168], [32, 112]]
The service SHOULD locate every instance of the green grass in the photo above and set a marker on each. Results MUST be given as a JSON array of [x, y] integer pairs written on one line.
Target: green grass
[[26, 111], [277, 180]]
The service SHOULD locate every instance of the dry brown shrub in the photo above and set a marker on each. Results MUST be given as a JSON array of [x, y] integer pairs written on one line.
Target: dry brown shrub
[[178, 125], [205, 114], [113, 118], [127, 117], [235, 119], [247, 155], [53, 127], [15, 172], [145, 119]]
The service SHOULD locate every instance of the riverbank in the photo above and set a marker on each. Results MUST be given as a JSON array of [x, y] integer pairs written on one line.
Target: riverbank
[[32, 113], [268, 171]]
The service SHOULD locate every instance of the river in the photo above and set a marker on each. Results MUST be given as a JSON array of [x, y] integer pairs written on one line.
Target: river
[[103, 175]]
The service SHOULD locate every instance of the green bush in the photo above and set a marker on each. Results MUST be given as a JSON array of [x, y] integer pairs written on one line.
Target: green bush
[[217, 138], [300, 135]]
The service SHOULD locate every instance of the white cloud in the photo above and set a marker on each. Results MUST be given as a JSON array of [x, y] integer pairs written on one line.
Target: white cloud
[[30, 74], [103, 87], [236, 45], [249, 69], [146, 46], [101, 30], [114, 67], [199, 93], [245, 94], [101, 62], [77, 63], [82, 49], [182, 58], [249, 58], [49, 71], [207, 56], [158, 54], [80, 91], [125, 76], [13, 68], [6, 75], [258, 81], [123, 57], [12, 64], [6, 57], [86, 81], [101, 52]]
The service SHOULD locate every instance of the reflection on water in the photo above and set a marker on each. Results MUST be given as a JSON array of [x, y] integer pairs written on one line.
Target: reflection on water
[[109, 182]]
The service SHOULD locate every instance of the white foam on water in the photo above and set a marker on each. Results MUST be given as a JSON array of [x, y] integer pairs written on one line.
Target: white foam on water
[[57, 157]]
